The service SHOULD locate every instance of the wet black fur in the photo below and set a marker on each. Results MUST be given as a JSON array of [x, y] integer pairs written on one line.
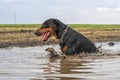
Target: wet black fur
[[75, 41]]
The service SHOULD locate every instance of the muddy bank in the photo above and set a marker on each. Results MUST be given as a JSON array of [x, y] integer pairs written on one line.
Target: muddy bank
[[16, 31], [27, 43], [25, 38], [22, 38]]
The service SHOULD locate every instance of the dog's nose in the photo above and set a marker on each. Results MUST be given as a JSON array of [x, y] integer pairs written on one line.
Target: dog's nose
[[36, 33]]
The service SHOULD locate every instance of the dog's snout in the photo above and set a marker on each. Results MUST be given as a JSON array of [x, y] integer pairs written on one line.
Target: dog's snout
[[36, 33]]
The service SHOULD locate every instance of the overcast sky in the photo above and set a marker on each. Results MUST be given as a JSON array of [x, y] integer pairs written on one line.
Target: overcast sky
[[68, 11]]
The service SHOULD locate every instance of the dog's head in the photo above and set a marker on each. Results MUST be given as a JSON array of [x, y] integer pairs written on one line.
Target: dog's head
[[50, 27]]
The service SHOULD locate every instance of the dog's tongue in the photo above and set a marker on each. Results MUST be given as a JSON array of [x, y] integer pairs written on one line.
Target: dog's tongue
[[45, 36]]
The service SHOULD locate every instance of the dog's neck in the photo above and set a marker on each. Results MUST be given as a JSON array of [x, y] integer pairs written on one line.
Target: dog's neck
[[62, 33]]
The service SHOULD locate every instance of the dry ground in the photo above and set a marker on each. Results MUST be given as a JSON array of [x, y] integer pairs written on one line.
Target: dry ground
[[25, 37]]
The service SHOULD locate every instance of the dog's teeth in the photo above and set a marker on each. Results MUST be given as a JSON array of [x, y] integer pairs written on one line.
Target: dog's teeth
[[48, 33]]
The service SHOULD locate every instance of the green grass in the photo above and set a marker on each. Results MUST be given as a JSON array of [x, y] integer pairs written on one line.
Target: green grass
[[75, 26], [18, 26], [94, 26]]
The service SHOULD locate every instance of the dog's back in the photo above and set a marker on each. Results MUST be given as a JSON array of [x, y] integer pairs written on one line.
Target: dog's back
[[77, 43]]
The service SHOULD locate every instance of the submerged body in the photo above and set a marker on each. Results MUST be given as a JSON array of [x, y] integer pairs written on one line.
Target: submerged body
[[76, 43]]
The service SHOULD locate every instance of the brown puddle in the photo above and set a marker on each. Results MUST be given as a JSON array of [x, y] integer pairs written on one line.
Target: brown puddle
[[33, 63]]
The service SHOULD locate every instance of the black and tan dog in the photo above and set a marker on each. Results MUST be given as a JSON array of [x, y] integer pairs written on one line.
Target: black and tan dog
[[71, 41]]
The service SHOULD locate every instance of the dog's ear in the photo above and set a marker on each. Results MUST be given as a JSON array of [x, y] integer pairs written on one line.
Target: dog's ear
[[58, 26], [58, 23]]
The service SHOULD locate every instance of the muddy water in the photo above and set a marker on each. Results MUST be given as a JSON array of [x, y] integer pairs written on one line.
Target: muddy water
[[33, 63]]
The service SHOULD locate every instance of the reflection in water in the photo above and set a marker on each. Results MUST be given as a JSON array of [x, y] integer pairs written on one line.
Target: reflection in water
[[64, 69], [67, 69], [33, 63]]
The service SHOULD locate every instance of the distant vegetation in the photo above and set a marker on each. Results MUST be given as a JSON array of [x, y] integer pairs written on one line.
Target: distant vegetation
[[75, 26], [18, 26], [94, 25]]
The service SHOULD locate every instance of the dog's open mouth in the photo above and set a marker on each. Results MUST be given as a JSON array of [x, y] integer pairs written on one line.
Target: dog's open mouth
[[45, 36]]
